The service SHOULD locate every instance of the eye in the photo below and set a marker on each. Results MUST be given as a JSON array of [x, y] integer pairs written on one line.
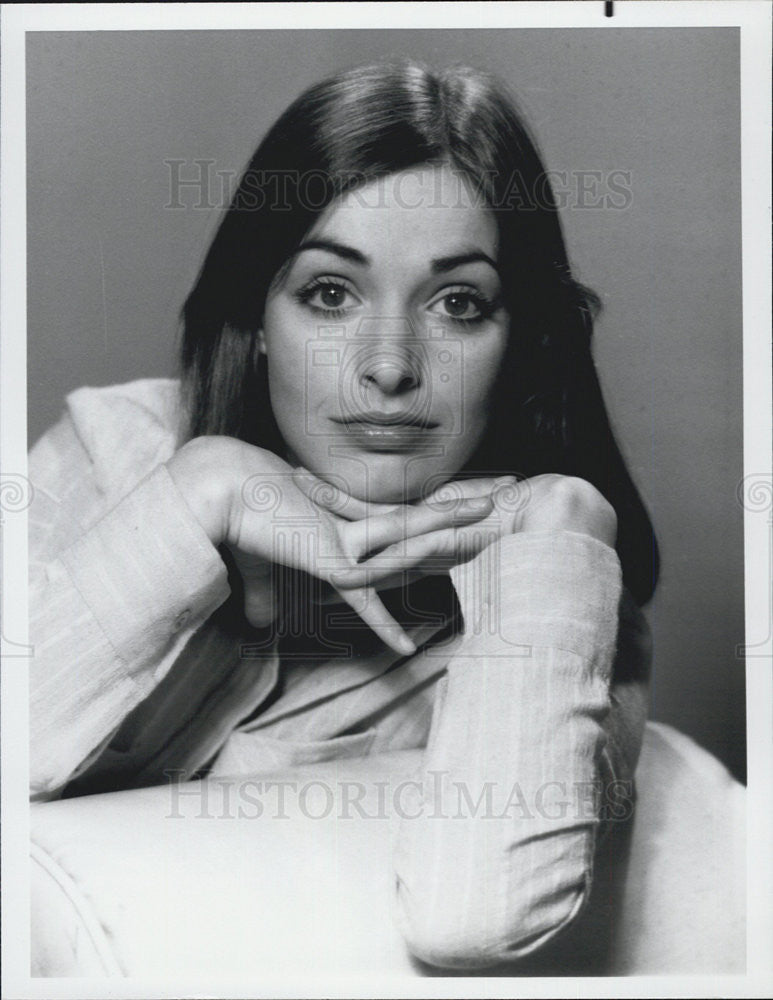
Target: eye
[[463, 305], [328, 296]]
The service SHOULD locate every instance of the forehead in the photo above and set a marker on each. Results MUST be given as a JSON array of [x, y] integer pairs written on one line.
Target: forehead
[[428, 208]]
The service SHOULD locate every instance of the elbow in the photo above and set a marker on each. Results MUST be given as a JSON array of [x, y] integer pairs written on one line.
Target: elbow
[[42, 783], [45, 788], [487, 931], [446, 947], [48, 775]]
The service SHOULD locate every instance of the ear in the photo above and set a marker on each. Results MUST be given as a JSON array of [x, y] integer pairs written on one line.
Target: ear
[[261, 340]]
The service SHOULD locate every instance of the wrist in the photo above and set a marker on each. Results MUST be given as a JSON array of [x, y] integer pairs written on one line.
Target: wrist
[[200, 472]]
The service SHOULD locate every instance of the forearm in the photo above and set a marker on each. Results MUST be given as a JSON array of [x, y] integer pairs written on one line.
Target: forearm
[[109, 615], [513, 756]]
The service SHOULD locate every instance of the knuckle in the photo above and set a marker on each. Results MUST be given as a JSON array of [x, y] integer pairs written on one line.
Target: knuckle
[[396, 518], [576, 493], [577, 497]]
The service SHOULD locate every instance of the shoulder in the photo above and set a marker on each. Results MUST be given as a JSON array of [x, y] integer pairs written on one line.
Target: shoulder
[[127, 429], [149, 402]]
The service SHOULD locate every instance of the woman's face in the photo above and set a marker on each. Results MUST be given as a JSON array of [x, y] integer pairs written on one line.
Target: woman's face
[[385, 333]]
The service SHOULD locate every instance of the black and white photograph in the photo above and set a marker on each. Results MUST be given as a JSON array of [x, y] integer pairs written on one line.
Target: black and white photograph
[[387, 514]]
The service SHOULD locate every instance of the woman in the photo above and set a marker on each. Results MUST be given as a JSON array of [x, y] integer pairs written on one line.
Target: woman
[[383, 509]]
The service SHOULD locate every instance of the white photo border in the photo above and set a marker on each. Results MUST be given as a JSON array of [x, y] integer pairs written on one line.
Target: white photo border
[[753, 17]]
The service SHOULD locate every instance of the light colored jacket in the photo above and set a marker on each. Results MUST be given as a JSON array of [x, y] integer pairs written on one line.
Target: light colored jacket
[[139, 675]]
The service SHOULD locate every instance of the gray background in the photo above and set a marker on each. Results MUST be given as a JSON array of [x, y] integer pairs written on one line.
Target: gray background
[[109, 264]]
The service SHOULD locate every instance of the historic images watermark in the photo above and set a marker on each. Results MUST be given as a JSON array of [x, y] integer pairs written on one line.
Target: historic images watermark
[[755, 494], [299, 538], [435, 798], [345, 354], [16, 494], [199, 184]]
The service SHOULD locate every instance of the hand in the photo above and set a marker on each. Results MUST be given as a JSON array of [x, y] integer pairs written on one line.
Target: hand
[[452, 504], [566, 503], [248, 499], [549, 502]]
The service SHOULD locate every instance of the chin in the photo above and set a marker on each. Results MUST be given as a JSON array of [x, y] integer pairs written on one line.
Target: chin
[[378, 482], [393, 490], [386, 478], [392, 493], [399, 486]]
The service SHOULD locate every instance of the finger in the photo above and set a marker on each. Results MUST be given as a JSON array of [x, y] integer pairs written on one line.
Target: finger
[[370, 608], [457, 545], [259, 591], [456, 490], [510, 496], [334, 498], [375, 533], [436, 548], [434, 552], [260, 607], [406, 577]]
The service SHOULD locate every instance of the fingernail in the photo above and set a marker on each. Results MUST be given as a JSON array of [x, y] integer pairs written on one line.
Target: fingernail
[[477, 503], [406, 646]]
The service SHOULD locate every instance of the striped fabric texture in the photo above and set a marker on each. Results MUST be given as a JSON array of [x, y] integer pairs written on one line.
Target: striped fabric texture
[[143, 670]]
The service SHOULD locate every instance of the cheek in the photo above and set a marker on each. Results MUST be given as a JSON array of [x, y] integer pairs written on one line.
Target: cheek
[[284, 357], [285, 347], [299, 384], [479, 376]]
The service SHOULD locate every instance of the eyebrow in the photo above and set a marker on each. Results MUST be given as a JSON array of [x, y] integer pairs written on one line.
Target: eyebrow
[[339, 249], [442, 264], [439, 265]]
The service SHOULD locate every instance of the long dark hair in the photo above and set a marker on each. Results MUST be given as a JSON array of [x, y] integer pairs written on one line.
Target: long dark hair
[[548, 413]]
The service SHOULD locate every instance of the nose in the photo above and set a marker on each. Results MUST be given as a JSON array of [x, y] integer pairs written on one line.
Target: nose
[[393, 372], [389, 360]]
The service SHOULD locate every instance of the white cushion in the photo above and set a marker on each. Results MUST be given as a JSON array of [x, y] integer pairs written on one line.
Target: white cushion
[[163, 882]]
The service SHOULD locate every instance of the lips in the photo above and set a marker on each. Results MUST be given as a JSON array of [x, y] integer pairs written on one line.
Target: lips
[[378, 418], [381, 431]]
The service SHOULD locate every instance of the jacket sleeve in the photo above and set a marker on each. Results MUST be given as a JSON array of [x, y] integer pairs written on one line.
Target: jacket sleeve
[[494, 855], [114, 595]]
